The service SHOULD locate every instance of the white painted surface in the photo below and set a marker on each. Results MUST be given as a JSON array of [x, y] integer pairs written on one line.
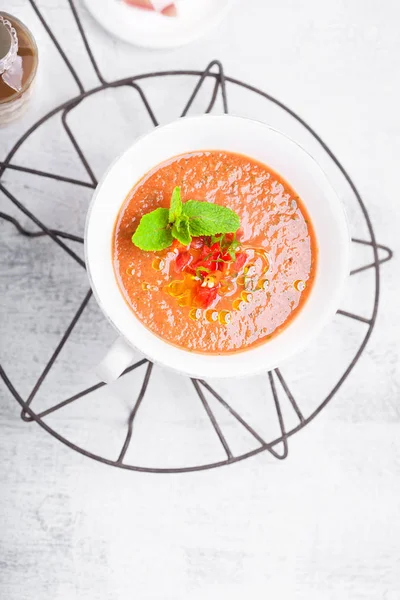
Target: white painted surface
[[324, 524]]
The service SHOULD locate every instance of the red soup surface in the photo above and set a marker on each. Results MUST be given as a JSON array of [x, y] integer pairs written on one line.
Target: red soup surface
[[214, 296]]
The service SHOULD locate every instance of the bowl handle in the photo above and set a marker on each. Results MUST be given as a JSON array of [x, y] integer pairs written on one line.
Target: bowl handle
[[117, 359]]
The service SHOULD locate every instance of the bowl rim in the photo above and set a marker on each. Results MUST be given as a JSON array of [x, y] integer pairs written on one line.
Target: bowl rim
[[251, 371]]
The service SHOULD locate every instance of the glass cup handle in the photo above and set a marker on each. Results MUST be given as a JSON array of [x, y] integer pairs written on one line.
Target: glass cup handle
[[117, 359]]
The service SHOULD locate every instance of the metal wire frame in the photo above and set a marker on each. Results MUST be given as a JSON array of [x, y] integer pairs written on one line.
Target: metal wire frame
[[220, 84]]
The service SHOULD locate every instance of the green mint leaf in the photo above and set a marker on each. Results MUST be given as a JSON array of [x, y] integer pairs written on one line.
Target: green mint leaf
[[180, 231], [216, 239], [209, 219], [175, 209], [153, 232]]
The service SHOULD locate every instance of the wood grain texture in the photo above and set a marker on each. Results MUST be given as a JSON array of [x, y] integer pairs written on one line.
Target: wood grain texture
[[322, 525]]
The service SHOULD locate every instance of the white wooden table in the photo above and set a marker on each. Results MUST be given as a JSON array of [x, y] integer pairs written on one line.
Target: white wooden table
[[324, 524]]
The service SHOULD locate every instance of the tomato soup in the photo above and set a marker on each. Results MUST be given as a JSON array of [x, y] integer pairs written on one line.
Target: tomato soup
[[226, 293]]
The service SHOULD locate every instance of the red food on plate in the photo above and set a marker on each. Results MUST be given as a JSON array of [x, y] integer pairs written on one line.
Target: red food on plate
[[140, 4], [167, 9]]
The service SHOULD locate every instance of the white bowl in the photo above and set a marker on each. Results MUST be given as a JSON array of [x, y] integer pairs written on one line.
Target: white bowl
[[258, 141]]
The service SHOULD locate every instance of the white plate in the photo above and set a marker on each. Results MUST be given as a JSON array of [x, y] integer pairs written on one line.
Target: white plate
[[152, 30], [266, 145]]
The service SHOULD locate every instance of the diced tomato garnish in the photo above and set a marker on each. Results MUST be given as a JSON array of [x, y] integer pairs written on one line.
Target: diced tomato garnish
[[222, 266], [240, 261], [182, 260], [200, 267], [212, 258], [205, 266], [201, 263], [239, 234], [205, 261], [197, 242], [205, 251], [204, 297]]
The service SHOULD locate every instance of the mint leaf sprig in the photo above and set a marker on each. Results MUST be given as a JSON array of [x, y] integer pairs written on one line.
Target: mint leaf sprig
[[158, 229]]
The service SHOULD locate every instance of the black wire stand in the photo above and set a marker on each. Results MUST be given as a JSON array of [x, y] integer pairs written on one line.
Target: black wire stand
[[215, 73]]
